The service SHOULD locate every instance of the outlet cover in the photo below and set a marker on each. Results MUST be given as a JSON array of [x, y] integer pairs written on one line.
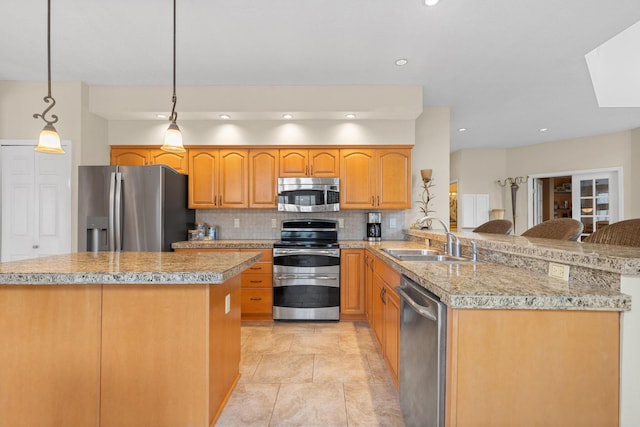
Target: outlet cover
[[236, 223], [274, 223], [392, 223], [227, 303], [559, 271], [340, 222]]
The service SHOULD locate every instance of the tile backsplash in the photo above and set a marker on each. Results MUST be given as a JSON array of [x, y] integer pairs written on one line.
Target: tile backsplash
[[258, 223]]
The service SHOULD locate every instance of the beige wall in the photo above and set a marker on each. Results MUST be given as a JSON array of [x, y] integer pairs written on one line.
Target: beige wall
[[477, 171], [431, 151], [265, 132], [578, 154], [634, 175]]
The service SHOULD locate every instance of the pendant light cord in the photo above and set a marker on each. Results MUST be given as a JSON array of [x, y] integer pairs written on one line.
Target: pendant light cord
[[174, 99], [49, 98]]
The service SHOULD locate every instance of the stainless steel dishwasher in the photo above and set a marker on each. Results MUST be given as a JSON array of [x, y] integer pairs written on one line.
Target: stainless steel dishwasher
[[423, 324]]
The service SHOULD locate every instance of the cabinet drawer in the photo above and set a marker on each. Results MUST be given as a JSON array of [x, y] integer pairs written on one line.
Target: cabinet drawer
[[259, 268], [256, 301], [256, 280], [388, 274]]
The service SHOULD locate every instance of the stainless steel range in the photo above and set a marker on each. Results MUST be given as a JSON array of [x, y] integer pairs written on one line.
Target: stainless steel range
[[306, 271]]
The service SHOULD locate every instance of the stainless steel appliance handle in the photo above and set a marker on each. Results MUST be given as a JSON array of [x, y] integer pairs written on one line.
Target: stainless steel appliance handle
[[118, 212], [112, 195], [297, 276], [281, 252], [428, 312]]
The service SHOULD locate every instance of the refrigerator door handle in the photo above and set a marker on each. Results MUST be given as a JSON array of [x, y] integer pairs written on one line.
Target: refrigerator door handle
[[111, 237], [118, 211]]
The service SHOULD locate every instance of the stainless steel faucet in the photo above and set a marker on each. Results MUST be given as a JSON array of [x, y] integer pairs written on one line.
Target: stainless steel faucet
[[452, 250]]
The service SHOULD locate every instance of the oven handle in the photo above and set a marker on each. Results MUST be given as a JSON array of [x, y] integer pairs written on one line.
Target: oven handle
[[295, 276], [281, 252]]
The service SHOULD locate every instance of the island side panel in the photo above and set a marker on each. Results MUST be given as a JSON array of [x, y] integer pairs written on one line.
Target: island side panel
[[224, 339], [49, 355], [155, 355], [529, 368]]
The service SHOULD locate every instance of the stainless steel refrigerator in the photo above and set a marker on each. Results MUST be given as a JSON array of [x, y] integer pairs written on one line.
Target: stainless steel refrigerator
[[132, 208]]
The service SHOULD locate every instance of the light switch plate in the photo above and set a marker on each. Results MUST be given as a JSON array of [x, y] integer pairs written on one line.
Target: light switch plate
[[559, 271], [392, 223], [227, 303], [236, 223], [274, 223], [340, 222]]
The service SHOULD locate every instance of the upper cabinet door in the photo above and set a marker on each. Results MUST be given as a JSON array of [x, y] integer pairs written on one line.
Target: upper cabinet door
[[314, 162], [203, 178], [129, 156], [263, 174], [176, 161], [234, 171], [324, 163], [394, 178], [293, 163], [357, 179]]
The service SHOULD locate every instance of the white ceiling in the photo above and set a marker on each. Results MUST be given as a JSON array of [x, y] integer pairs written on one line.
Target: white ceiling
[[505, 67]]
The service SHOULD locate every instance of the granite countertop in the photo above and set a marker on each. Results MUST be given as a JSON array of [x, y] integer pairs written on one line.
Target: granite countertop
[[494, 286], [127, 268], [610, 258]]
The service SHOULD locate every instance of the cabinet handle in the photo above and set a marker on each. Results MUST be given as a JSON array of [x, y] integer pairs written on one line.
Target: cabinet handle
[[311, 170], [378, 200], [255, 281], [383, 291], [220, 204], [255, 299], [255, 268], [372, 201]]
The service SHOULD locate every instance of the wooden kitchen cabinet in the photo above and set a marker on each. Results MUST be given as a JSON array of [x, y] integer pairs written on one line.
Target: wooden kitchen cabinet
[[130, 156], [375, 178], [263, 178], [352, 284], [385, 316], [313, 162], [532, 367], [218, 178], [256, 297], [142, 156]]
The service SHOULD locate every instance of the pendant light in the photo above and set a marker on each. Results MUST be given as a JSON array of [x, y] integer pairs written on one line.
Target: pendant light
[[173, 137], [49, 140]]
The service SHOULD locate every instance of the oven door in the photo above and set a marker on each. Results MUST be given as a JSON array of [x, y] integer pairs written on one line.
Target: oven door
[[306, 284]]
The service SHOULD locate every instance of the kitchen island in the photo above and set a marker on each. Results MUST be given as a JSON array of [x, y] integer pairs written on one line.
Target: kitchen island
[[119, 339]]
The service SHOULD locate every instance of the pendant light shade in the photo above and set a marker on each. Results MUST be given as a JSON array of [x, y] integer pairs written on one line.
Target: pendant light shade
[[49, 140], [173, 137]]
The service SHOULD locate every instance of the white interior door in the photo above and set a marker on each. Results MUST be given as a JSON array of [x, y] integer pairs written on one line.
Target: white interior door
[[537, 201], [595, 199], [36, 203]]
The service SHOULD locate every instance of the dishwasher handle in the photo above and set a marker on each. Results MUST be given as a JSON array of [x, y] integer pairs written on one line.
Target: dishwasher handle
[[430, 312]]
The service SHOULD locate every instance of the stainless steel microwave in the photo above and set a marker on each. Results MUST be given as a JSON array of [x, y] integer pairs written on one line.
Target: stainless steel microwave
[[308, 194]]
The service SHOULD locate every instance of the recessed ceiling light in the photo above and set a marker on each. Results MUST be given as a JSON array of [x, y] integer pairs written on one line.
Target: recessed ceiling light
[[350, 116], [462, 130], [401, 62], [287, 116], [224, 116], [543, 129], [431, 2], [162, 116]]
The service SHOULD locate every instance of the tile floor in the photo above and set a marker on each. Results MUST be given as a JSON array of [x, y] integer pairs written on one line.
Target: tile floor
[[311, 374]]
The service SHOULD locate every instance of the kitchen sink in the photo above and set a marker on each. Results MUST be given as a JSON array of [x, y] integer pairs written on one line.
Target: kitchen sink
[[425, 255]]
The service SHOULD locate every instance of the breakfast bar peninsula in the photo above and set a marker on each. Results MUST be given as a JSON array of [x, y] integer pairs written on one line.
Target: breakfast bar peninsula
[[119, 339]]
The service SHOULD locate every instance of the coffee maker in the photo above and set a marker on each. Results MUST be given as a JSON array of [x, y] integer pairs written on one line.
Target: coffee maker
[[374, 226]]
